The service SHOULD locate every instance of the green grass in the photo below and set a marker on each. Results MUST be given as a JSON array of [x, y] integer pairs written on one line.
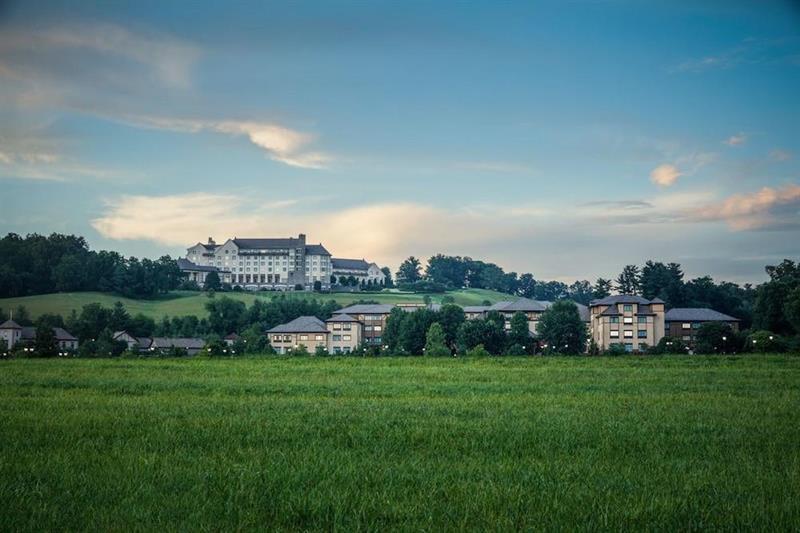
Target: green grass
[[192, 303], [630, 443]]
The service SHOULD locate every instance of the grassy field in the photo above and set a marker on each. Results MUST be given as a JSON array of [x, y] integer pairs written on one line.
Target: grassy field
[[192, 303], [626, 443]]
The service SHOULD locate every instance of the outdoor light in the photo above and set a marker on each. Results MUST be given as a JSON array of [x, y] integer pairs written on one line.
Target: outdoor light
[[754, 341], [771, 337], [724, 338]]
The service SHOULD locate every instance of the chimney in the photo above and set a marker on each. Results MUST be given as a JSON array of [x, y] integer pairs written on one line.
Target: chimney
[[302, 239], [211, 241]]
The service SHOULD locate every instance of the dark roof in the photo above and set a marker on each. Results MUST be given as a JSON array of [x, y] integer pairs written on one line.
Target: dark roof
[[349, 264], [10, 324], [178, 342], [341, 318], [316, 249], [523, 304], [475, 308], [29, 333], [303, 324], [186, 265], [260, 244], [622, 299], [362, 309], [583, 311], [697, 314]]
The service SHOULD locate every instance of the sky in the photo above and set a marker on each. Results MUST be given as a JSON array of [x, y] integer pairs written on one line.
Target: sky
[[565, 138]]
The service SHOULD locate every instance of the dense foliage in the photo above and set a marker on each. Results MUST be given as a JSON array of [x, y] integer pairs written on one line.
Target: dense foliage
[[36, 264]]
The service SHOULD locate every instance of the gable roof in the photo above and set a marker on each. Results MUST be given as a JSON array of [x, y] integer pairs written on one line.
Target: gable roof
[[186, 265], [316, 249], [177, 342], [361, 309], [258, 244], [60, 334], [523, 304], [697, 314], [10, 324], [622, 299], [303, 324], [349, 264], [475, 308], [342, 318]]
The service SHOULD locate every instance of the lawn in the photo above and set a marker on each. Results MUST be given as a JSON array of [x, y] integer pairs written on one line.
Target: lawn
[[192, 303], [401, 444]]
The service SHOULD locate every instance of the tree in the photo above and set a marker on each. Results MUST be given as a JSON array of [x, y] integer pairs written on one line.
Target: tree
[[213, 282], [45, 344], [602, 288], [561, 329], [478, 351], [317, 286], [435, 344], [715, 337], [526, 286], [387, 277], [581, 292], [791, 307], [519, 333], [409, 271], [225, 315], [451, 317], [487, 332], [670, 345], [765, 342], [393, 330], [628, 280]]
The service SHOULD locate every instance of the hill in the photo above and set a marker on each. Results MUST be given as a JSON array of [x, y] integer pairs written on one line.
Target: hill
[[193, 303]]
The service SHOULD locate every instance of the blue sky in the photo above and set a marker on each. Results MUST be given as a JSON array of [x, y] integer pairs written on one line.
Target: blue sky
[[564, 139]]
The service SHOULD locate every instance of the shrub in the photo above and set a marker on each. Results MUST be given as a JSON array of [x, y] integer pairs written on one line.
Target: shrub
[[478, 351], [515, 349], [765, 342], [321, 351], [616, 349], [300, 350], [670, 345]]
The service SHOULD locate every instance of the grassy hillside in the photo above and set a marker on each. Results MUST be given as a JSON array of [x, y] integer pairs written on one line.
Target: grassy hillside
[[192, 303], [422, 444]]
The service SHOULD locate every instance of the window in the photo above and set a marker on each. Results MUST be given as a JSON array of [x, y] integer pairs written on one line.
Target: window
[[628, 347], [303, 337], [627, 320], [378, 328], [642, 320], [337, 338], [627, 308], [287, 338], [696, 325], [319, 337], [642, 334], [686, 337], [686, 325], [614, 320], [367, 328], [337, 326], [346, 337], [347, 327], [614, 334], [628, 334], [336, 349], [276, 338]]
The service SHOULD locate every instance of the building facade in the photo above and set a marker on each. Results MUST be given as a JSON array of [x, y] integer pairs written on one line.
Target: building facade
[[631, 321], [532, 309], [13, 334], [360, 269], [683, 322], [265, 263], [307, 331]]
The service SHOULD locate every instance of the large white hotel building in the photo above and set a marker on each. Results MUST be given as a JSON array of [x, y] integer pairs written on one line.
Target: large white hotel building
[[279, 264]]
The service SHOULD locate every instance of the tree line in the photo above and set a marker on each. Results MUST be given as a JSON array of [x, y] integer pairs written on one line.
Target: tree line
[[37, 264]]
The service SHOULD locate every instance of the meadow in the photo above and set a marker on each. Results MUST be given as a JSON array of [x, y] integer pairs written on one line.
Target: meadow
[[277, 443], [181, 303]]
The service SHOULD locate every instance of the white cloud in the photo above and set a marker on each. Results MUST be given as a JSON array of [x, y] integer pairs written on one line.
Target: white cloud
[[736, 140], [281, 144], [95, 50], [665, 175], [767, 208]]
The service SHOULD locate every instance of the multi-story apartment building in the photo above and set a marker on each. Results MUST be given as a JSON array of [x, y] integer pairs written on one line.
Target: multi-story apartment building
[[372, 317], [253, 264], [683, 322], [532, 309], [339, 334], [632, 321], [359, 269]]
